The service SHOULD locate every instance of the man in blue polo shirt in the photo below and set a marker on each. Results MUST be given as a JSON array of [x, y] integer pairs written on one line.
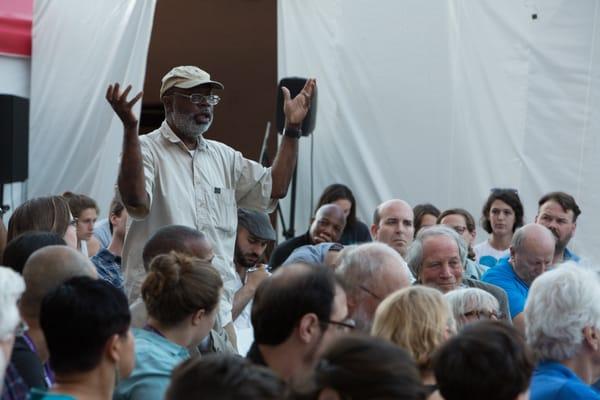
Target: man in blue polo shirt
[[531, 252], [558, 212]]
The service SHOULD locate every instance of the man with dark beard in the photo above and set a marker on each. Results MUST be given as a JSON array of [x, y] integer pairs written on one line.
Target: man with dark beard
[[176, 176], [558, 212], [253, 236]]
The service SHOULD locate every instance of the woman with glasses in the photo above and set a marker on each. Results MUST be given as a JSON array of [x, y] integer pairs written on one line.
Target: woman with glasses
[[85, 211], [502, 214], [472, 304], [47, 214], [417, 319], [181, 295]]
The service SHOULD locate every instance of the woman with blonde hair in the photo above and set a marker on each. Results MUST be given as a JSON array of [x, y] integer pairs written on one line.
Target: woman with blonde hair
[[417, 319], [181, 295]]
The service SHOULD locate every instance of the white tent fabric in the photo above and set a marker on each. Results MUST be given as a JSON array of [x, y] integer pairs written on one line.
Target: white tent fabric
[[433, 101], [79, 48]]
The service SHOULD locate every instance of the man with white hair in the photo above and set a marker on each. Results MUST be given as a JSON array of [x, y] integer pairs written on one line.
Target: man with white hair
[[371, 272], [176, 176], [531, 252], [12, 287], [562, 320]]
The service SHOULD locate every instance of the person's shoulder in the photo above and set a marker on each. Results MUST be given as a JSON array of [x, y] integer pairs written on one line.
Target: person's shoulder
[[572, 389]]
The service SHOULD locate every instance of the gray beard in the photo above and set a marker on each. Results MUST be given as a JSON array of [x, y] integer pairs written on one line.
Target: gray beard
[[187, 126]]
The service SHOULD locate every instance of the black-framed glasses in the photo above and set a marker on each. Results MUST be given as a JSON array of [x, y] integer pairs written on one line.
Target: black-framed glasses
[[21, 328], [73, 221], [364, 288], [345, 325], [482, 314], [459, 229], [197, 98]]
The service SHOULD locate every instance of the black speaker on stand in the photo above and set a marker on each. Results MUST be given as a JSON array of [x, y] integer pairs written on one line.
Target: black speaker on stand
[[294, 85], [14, 140]]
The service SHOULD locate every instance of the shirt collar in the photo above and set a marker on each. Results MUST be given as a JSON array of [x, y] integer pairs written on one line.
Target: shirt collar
[[168, 134]]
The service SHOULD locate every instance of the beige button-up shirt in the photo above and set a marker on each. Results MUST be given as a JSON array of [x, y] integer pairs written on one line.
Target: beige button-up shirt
[[201, 189]]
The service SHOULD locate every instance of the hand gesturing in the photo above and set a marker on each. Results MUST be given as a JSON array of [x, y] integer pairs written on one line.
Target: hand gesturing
[[296, 109], [122, 107]]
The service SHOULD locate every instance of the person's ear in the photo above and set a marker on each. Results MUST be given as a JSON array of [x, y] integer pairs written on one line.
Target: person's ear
[[114, 219], [197, 317], [374, 229], [112, 348], [308, 327], [512, 254], [591, 338]]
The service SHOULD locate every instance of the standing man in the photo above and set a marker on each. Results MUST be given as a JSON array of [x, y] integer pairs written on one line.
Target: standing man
[[176, 176], [393, 225], [558, 212]]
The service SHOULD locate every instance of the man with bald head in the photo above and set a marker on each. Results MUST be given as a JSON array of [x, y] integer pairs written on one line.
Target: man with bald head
[[371, 272], [531, 253], [297, 312], [326, 226], [393, 225], [45, 270]]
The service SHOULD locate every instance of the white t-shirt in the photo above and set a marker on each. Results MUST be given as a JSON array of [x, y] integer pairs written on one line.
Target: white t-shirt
[[243, 324], [487, 255]]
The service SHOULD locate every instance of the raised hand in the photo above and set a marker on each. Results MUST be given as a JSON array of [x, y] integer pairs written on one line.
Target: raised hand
[[296, 109], [122, 107]]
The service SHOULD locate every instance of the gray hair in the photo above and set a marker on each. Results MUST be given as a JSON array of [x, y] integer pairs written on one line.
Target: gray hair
[[12, 287], [465, 300], [414, 256], [358, 264], [560, 304]]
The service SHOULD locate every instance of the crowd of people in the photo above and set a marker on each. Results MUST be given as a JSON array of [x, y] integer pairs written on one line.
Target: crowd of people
[[184, 292]]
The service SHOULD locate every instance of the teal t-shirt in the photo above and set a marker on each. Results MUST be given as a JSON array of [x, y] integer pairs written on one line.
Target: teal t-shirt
[[37, 394]]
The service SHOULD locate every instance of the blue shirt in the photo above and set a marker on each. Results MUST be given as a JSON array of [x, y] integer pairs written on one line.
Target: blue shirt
[[155, 358], [569, 256], [37, 394], [516, 289], [109, 268], [553, 381]]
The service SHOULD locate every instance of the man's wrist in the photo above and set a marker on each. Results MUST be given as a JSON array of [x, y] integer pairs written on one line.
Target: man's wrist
[[292, 131]]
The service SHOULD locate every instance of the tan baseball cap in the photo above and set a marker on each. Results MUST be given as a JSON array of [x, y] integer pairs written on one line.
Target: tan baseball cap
[[185, 77]]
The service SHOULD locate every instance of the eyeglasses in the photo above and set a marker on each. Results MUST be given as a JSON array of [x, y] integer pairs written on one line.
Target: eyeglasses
[[480, 314], [459, 229], [370, 292], [345, 325], [197, 98], [73, 221]]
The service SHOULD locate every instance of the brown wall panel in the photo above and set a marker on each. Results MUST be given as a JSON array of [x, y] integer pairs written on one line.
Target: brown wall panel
[[236, 42]]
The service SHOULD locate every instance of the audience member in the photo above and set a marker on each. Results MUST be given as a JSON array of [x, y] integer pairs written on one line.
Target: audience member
[[326, 226], [502, 214], [472, 304], [362, 368], [12, 287], [20, 248], [158, 169], [393, 225], [323, 254], [355, 230], [425, 215], [562, 320], [224, 377], [370, 273], [3, 232], [45, 270], [181, 294], [90, 355], [296, 312], [437, 257], [85, 211], [254, 234], [558, 212], [108, 260], [103, 229], [487, 360], [419, 320], [47, 214], [463, 223], [531, 254]]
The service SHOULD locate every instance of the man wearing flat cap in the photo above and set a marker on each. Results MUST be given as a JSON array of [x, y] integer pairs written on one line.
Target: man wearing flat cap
[[254, 233], [175, 176]]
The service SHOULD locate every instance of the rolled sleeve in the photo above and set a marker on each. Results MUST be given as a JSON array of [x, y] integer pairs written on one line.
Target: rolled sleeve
[[253, 185]]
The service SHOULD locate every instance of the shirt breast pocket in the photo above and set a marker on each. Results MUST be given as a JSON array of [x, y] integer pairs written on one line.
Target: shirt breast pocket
[[223, 211]]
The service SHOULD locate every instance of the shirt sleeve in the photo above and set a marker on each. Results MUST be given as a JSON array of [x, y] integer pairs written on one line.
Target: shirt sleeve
[[253, 184]]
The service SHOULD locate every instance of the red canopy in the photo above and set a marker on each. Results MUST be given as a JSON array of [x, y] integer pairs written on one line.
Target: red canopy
[[15, 27]]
